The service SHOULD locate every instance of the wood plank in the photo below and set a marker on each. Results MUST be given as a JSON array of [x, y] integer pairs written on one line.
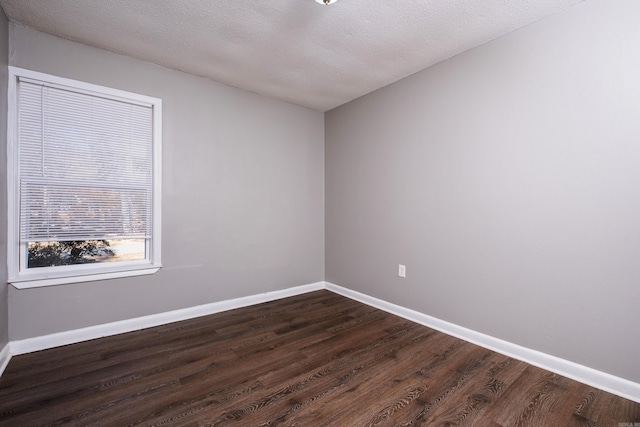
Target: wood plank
[[317, 359]]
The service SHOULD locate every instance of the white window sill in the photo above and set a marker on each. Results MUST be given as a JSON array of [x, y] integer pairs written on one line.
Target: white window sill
[[33, 282]]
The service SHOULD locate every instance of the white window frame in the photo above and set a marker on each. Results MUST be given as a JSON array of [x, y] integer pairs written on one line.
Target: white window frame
[[22, 277]]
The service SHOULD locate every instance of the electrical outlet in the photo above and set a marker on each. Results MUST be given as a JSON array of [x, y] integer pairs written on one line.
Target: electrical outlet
[[402, 270]]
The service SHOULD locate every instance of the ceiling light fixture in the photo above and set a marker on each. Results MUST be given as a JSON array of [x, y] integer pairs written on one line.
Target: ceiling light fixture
[[326, 1]]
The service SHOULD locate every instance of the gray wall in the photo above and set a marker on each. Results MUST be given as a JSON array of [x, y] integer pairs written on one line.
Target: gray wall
[[507, 180], [243, 194], [4, 55]]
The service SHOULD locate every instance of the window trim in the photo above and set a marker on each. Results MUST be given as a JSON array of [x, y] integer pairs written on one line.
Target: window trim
[[30, 278]]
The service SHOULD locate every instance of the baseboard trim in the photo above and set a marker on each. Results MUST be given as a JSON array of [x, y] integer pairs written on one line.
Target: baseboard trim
[[598, 379], [592, 377], [44, 342], [5, 357]]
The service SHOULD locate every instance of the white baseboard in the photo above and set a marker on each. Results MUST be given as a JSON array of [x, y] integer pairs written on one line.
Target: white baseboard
[[598, 379], [5, 356], [29, 345]]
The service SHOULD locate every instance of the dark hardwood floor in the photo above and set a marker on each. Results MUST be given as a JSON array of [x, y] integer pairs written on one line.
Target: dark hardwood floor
[[317, 359]]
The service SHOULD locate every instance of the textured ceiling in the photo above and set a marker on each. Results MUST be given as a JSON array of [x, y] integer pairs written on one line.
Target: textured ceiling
[[299, 51]]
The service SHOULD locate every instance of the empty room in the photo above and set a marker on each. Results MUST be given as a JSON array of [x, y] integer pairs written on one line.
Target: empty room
[[320, 213]]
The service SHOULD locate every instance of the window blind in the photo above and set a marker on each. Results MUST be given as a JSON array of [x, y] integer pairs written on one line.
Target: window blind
[[85, 165]]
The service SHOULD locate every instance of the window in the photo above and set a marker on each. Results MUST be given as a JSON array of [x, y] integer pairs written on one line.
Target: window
[[84, 181]]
